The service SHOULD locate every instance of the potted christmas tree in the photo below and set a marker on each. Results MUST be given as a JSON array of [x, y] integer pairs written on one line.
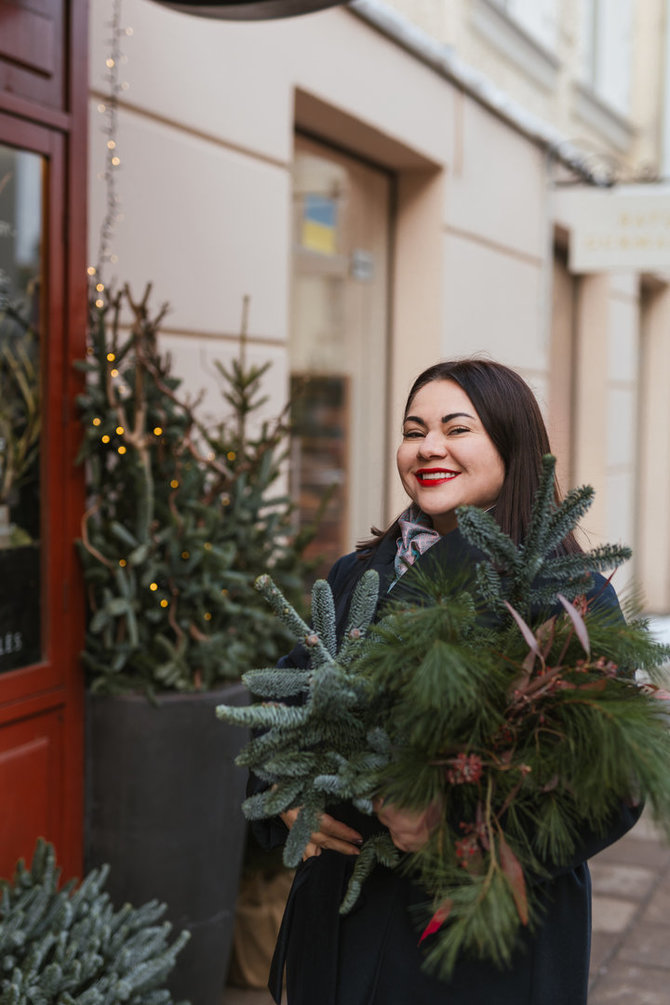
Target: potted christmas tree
[[181, 519]]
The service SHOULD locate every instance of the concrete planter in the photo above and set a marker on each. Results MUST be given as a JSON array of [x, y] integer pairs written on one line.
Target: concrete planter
[[163, 808]]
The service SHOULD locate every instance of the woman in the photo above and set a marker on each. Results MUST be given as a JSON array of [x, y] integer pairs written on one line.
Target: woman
[[472, 435]]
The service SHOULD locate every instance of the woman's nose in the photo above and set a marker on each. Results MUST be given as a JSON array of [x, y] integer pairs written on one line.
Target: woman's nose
[[433, 445]]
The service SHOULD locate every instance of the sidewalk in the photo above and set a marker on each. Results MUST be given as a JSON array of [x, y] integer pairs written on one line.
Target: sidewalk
[[630, 960], [630, 955]]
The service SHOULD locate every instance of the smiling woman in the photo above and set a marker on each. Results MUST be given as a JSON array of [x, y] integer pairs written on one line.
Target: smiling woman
[[473, 434], [446, 458], [500, 407]]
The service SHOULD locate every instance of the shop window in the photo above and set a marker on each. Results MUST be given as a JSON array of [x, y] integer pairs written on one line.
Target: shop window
[[20, 406]]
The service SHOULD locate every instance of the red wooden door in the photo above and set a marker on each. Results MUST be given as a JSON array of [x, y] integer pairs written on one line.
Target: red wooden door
[[42, 324]]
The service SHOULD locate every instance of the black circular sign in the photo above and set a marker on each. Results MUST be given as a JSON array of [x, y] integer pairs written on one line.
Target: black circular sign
[[248, 10]]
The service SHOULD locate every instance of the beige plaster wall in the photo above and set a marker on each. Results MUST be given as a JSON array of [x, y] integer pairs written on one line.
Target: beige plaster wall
[[205, 139], [496, 240], [207, 224]]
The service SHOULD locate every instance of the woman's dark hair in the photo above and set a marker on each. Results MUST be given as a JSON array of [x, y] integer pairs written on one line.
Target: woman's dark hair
[[511, 416]]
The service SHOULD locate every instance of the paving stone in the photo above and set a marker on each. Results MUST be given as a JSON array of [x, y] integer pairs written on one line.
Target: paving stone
[[657, 911], [241, 996], [610, 914], [647, 945], [630, 985], [636, 851], [645, 829], [627, 881], [602, 946]]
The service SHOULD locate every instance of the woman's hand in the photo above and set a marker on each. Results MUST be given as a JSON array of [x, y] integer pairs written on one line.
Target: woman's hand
[[409, 829], [332, 834]]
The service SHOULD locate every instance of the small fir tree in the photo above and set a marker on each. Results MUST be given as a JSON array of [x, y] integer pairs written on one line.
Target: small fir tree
[[181, 517], [70, 946], [519, 736]]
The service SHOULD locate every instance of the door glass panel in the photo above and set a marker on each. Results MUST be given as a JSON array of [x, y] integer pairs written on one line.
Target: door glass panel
[[338, 343], [20, 406], [319, 456]]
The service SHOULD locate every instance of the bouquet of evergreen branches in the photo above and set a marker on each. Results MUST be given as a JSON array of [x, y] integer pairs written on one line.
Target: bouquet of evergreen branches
[[504, 699]]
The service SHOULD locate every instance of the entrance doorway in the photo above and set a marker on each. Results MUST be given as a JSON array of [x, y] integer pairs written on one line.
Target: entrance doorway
[[339, 343]]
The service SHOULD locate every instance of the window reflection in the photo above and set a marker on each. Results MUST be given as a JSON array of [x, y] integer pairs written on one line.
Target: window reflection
[[20, 406]]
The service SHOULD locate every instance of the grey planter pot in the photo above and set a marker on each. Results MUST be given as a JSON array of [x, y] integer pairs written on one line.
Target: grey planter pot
[[163, 808]]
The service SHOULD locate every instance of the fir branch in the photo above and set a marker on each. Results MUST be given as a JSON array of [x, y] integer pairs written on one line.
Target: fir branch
[[306, 823], [376, 850], [535, 545], [289, 617], [274, 683], [69, 945], [323, 616], [481, 530]]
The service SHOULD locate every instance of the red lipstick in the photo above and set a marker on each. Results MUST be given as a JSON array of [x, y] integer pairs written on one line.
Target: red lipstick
[[429, 477]]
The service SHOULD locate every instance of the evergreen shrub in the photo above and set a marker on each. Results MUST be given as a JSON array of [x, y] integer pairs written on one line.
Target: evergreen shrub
[[69, 946]]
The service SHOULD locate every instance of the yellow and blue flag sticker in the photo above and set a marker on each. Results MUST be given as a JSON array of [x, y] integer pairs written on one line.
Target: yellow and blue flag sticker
[[319, 224]]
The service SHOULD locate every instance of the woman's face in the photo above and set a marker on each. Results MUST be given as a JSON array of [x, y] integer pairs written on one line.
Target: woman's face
[[446, 458]]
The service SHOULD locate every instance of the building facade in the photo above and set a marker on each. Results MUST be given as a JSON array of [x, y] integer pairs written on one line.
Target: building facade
[[385, 181]]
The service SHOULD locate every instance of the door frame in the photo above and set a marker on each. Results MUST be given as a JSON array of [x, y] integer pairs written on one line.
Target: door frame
[[47, 697]]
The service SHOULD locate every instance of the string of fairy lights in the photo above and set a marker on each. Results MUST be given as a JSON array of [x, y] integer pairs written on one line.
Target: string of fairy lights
[[109, 110]]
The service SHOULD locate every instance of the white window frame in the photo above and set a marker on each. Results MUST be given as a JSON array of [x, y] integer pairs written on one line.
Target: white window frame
[[600, 22], [503, 30]]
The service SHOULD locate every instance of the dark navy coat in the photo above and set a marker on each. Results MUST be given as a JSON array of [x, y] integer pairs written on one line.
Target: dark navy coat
[[371, 956]]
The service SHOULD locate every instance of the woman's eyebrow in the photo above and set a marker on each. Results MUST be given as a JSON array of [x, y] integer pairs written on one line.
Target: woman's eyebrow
[[445, 418], [456, 415]]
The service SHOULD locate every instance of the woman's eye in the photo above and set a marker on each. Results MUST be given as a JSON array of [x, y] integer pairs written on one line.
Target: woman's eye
[[412, 434], [459, 429]]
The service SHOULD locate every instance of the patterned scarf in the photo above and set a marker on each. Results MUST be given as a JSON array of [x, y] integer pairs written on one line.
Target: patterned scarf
[[417, 535]]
